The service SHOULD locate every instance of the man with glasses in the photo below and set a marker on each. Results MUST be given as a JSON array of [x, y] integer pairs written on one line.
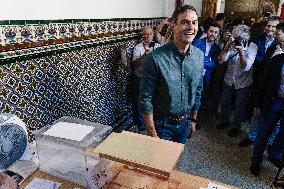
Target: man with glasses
[[263, 43], [270, 104]]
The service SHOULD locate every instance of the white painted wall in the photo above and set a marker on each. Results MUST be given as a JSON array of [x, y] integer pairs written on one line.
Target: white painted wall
[[82, 9], [220, 6], [170, 6], [197, 4]]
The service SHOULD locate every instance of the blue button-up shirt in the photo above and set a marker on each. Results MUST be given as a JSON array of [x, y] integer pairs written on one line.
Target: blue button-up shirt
[[172, 82]]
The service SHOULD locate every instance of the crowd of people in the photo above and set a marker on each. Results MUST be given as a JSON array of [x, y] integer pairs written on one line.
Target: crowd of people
[[232, 71]]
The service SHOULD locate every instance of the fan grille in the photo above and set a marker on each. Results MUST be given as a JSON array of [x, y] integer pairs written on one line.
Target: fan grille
[[13, 143]]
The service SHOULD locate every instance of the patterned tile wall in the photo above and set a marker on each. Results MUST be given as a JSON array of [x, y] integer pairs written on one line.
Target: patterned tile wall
[[25, 33], [90, 84]]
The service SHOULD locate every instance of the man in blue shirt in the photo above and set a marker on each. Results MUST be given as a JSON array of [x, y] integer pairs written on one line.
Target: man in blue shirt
[[211, 52], [171, 86]]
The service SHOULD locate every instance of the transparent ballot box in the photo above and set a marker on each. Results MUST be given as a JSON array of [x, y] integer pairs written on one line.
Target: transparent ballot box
[[62, 147]]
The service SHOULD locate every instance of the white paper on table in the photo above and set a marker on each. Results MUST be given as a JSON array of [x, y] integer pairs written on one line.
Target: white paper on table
[[70, 131], [37, 183]]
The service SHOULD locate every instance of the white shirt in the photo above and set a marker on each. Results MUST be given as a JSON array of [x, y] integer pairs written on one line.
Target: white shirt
[[208, 47], [277, 51], [235, 74], [139, 50], [268, 42]]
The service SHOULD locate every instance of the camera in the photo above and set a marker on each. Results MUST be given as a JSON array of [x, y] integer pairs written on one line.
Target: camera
[[239, 41]]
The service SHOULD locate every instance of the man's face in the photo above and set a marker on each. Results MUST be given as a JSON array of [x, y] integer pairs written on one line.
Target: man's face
[[279, 36], [220, 23], [271, 27], [212, 33], [148, 35], [186, 27]]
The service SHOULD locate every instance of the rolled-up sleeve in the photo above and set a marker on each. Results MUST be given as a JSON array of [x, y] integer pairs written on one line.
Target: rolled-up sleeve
[[251, 54], [199, 88], [227, 55], [198, 94], [147, 85]]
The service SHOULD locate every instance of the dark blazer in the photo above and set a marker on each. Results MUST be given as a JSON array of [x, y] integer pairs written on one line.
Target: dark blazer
[[260, 68], [210, 61], [269, 52], [267, 90], [213, 53], [260, 42]]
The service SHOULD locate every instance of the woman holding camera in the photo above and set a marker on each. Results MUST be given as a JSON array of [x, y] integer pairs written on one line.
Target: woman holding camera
[[239, 55]]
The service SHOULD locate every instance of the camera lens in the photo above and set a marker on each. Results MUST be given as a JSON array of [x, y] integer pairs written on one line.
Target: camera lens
[[240, 41]]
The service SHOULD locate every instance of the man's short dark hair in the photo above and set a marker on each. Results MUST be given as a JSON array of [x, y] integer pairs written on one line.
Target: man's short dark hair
[[214, 25], [207, 22], [237, 21], [275, 18], [280, 26], [181, 10], [219, 16]]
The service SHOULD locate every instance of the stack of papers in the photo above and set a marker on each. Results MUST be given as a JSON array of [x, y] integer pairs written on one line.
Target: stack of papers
[[71, 131]]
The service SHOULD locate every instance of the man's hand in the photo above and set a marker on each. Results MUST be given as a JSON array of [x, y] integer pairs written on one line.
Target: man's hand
[[240, 49], [243, 59], [149, 123], [230, 44], [223, 55], [192, 127], [193, 123], [152, 132]]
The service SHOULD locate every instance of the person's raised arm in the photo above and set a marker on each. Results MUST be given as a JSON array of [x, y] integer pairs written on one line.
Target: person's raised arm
[[223, 57]]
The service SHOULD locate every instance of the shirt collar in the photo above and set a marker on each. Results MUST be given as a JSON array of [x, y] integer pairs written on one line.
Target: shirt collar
[[145, 44], [270, 38], [188, 52], [279, 48], [209, 43]]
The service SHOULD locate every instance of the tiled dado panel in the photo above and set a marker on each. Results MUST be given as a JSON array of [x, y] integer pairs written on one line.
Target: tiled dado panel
[[88, 83]]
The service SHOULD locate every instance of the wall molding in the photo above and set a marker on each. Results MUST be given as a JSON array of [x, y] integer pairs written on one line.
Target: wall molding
[[22, 52], [19, 32], [26, 40]]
